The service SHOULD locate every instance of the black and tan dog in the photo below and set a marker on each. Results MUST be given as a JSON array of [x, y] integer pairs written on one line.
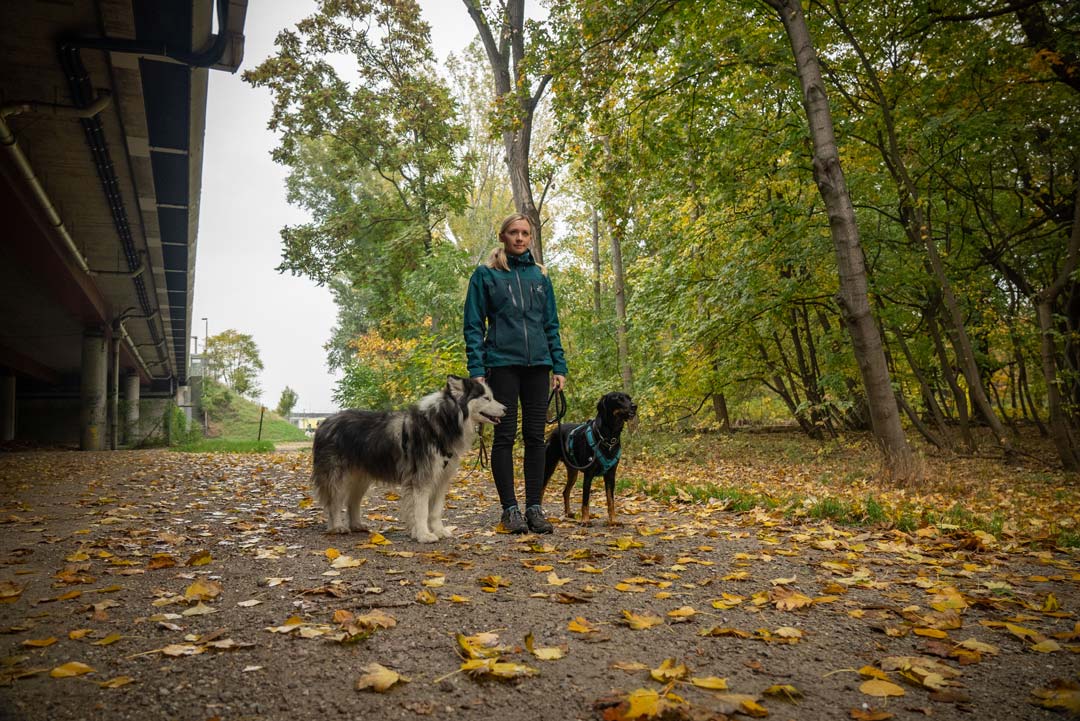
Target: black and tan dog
[[594, 448]]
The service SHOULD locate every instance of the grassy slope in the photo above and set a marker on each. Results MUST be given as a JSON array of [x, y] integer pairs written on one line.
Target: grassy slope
[[241, 422]]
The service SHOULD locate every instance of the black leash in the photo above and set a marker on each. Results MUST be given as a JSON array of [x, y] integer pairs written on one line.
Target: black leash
[[560, 406], [560, 410], [482, 454]]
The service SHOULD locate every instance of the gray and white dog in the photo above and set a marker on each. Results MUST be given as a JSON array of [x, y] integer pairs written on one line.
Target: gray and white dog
[[419, 449]]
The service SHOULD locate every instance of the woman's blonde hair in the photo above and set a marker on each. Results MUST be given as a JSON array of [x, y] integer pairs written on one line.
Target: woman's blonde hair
[[497, 257]]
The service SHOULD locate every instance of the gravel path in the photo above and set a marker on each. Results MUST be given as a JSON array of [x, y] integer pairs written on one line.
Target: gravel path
[[203, 587]]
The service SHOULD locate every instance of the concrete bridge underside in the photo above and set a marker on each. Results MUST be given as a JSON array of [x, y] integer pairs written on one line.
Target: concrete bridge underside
[[102, 111]]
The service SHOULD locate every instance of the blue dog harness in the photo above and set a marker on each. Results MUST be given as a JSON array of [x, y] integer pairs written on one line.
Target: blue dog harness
[[604, 461]]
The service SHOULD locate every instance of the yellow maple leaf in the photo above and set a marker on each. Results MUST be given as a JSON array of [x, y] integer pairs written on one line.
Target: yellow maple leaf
[[426, 597]]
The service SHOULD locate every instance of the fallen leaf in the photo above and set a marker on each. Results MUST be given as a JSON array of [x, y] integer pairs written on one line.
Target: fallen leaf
[[378, 678], [108, 640], [640, 622], [116, 682], [477, 667], [710, 682], [549, 653], [580, 625], [669, 670], [72, 668], [880, 688], [39, 642]]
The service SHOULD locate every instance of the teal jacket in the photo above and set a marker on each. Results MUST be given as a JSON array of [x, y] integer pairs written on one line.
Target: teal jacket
[[511, 319]]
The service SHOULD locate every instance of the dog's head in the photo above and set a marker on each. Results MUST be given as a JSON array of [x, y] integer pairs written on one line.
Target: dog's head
[[616, 408], [476, 398]]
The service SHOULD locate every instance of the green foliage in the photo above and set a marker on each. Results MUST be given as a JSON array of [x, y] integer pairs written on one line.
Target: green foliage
[[233, 359], [287, 402]]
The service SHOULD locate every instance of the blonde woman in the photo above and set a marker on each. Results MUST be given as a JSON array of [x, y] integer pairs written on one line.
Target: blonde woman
[[512, 341]]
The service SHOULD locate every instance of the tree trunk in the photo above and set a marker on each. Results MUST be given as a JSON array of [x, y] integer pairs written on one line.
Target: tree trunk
[[719, 403], [596, 263], [1060, 431], [925, 389], [965, 353], [506, 55], [950, 378], [900, 461], [620, 308]]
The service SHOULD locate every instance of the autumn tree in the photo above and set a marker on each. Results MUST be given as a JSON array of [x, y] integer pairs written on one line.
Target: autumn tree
[[233, 360], [519, 86]]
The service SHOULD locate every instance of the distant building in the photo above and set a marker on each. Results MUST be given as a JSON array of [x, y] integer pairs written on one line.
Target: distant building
[[309, 421]]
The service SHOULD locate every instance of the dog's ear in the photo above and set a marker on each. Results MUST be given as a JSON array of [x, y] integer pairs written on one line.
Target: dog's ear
[[601, 407], [455, 385]]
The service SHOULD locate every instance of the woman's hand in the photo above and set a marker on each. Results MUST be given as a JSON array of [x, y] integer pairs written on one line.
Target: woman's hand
[[558, 382]]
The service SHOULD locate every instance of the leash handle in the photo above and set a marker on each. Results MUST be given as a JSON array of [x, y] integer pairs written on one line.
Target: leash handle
[[560, 406]]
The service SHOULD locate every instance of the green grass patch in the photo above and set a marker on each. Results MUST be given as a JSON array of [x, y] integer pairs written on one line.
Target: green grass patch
[[225, 445], [237, 419]]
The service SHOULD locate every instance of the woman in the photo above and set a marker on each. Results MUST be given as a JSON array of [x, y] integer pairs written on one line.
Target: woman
[[512, 341]]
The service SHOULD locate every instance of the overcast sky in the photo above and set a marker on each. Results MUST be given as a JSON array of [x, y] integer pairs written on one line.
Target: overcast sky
[[243, 208]]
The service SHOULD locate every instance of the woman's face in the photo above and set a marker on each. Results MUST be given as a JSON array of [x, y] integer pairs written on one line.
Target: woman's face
[[517, 237]]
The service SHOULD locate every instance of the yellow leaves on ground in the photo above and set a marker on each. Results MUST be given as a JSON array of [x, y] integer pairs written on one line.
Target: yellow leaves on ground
[[39, 642], [200, 558], [378, 678], [493, 668], [786, 599], [10, 591], [202, 590], [491, 584], [1059, 694], [116, 682], [669, 670], [644, 703], [426, 597], [343, 561], [681, 614], [580, 625], [880, 688], [480, 645], [549, 653], [554, 580], [640, 622], [70, 669], [713, 683]]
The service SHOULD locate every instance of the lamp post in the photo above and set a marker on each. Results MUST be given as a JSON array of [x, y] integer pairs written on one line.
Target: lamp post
[[206, 331]]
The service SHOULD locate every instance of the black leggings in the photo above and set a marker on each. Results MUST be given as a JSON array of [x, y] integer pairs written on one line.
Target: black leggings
[[529, 384]]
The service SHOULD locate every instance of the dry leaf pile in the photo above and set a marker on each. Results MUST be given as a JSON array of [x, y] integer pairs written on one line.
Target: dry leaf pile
[[203, 586]]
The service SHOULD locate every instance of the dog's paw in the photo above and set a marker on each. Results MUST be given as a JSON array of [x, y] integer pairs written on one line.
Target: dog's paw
[[358, 528], [441, 531], [424, 536], [337, 529]]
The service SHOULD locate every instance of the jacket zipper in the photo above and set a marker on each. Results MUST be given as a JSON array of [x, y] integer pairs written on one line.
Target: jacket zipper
[[524, 321]]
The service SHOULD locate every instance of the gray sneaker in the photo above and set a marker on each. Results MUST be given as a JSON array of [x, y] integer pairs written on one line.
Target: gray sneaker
[[534, 516], [513, 521]]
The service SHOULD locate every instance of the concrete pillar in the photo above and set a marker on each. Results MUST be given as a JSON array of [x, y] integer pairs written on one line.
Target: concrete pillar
[[114, 389], [7, 407], [92, 391], [131, 407]]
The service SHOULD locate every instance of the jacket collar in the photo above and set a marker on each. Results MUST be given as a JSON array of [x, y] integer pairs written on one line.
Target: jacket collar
[[520, 260]]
